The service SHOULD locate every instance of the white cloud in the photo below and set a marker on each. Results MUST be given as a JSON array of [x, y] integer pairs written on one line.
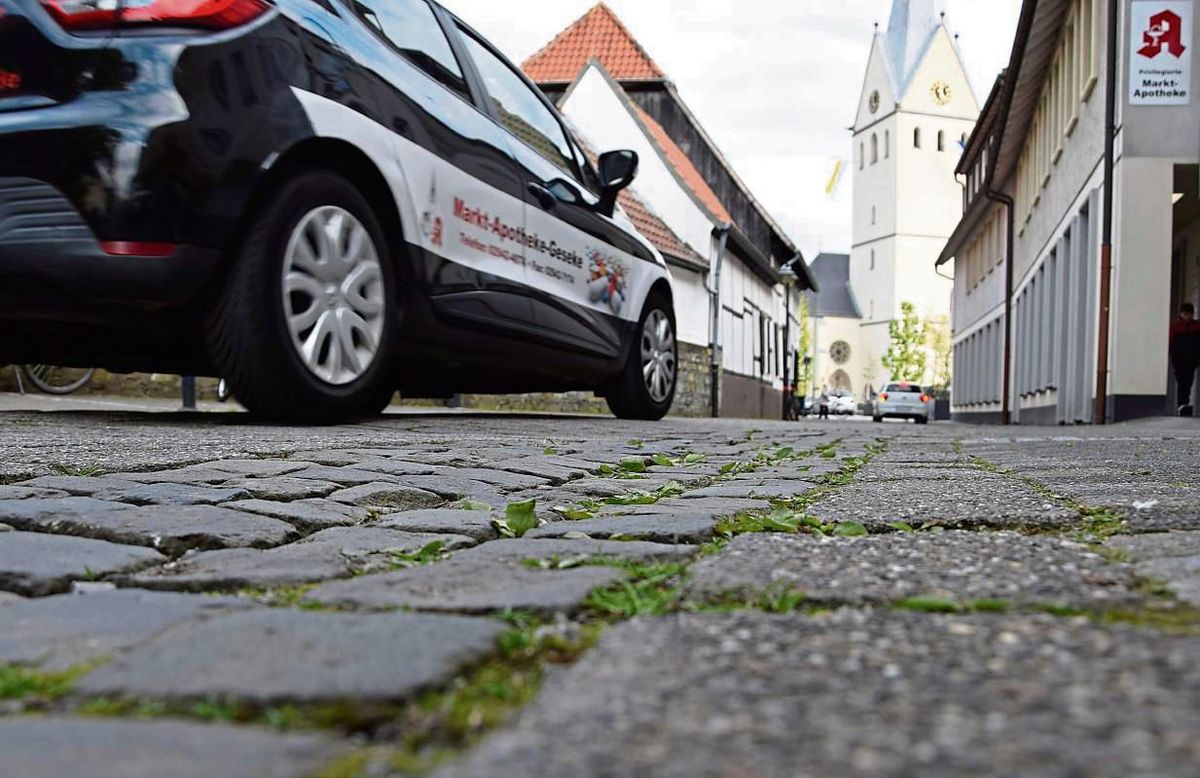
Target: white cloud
[[776, 84]]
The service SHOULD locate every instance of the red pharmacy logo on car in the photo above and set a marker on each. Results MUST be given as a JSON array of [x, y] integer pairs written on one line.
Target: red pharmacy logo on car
[[1166, 32], [9, 80]]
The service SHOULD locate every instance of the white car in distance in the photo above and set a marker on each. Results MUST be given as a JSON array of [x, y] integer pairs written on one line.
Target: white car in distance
[[904, 401]]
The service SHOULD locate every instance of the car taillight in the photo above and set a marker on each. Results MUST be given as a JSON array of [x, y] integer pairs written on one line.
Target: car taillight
[[82, 15], [925, 398], [883, 397]]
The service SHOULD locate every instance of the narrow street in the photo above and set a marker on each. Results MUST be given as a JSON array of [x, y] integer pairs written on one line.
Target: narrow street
[[493, 595]]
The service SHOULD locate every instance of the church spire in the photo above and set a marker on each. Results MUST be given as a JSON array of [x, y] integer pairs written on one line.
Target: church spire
[[912, 24]]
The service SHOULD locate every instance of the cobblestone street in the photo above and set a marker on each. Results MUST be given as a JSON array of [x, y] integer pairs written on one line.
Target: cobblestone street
[[501, 595]]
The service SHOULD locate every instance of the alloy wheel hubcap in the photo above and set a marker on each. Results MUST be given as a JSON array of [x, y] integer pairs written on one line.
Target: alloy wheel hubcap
[[333, 295], [658, 356]]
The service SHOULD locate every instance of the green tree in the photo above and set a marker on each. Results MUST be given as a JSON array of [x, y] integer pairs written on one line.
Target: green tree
[[906, 357], [804, 347], [941, 346]]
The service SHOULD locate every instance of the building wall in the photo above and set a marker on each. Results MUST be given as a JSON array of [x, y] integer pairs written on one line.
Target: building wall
[[1058, 189], [828, 330]]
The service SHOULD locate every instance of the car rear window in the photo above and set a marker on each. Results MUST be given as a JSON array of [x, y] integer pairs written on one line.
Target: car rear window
[[913, 388]]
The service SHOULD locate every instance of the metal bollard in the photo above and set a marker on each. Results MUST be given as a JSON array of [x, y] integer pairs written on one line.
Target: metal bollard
[[187, 388]]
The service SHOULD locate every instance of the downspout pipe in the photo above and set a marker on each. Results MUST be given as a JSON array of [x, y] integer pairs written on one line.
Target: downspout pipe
[[1100, 410], [721, 233], [1010, 230]]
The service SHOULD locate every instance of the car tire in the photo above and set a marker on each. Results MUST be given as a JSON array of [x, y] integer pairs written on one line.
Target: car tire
[[877, 419], [632, 396], [922, 420], [289, 257]]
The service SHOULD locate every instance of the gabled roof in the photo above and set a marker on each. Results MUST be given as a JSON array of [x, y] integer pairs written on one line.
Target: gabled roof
[[911, 29], [658, 233], [836, 297], [682, 165], [598, 34]]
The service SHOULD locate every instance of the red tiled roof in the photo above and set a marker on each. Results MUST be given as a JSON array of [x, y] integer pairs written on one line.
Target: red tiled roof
[[683, 166], [656, 230], [599, 34]]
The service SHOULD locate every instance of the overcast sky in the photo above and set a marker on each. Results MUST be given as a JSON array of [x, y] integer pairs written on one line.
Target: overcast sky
[[775, 82]]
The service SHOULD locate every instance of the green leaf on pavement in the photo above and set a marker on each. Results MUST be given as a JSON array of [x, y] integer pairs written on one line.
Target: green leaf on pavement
[[474, 505], [573, 514], [900, 526], [521, 517], [850, 529], [606, 470], [549, 451], [694, 459], [633, 465], [577, 535], [662, 460], [501, 527]]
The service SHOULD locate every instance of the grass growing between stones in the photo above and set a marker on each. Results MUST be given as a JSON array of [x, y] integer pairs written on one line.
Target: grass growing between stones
[[31, 686], [83, 471]]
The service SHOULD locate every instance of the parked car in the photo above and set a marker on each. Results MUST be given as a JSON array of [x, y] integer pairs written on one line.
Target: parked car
[[322, 202], [834, 402], [904, 401]]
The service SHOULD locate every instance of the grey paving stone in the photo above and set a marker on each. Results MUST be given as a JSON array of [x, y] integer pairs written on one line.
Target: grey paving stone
[[36, 565], [325, 458], [469, 586], [172, 529], [170, 494], [1169, 557], [860, 693], [283, 488], [964, 566], [717, 507], [344, 476], [63, 747], [752, 488], [387, 495], [658, 528], [967, 503], [259, 468], [40, 513], [306, 515], [275, 656], [334, 553], [24, 492], [78, 485], [70, 629], [474, 524], [191, 474], [503, 479], [553, 470], [522, 549]]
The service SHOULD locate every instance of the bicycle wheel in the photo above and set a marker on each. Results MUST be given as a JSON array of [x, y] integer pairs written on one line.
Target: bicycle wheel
[[57, 380]]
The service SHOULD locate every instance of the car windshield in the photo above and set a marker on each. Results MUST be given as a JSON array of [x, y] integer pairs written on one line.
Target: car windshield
[[902, 388]]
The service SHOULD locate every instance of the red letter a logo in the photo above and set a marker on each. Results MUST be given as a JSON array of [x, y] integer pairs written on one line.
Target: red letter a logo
[[1165, 33]]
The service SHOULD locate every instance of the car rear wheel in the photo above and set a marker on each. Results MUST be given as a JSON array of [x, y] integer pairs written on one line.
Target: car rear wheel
[[646, 389], [301, 331]]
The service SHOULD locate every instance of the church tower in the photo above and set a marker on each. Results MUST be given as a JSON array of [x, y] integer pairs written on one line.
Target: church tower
[[916, 109]]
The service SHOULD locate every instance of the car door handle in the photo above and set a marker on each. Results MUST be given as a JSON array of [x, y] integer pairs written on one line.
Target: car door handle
[[544, 196]]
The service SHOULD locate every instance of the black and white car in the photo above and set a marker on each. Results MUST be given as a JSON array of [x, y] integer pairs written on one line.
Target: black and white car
[[323, 201]]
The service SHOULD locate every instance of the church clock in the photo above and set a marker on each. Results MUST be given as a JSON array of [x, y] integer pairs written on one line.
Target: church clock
[[873, 103], [941, 92]]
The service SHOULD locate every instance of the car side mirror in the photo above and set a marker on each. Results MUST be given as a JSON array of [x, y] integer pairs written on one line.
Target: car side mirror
[[618, 169]]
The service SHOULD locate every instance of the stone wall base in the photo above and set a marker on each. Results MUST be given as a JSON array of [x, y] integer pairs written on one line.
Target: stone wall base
[[749, 398]]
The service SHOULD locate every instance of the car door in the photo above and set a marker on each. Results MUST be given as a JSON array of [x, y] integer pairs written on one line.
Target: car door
[[466, 196], [583, 266]]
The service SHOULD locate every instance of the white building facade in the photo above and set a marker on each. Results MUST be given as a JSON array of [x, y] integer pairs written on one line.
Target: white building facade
[[1039, 162]]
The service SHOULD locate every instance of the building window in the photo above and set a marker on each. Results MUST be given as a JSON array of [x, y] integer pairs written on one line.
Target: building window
[[839, 352], [941, 140], [862, 156], [917, 138], [887, 143], [872, 259], [872, 215], [874, 148]]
